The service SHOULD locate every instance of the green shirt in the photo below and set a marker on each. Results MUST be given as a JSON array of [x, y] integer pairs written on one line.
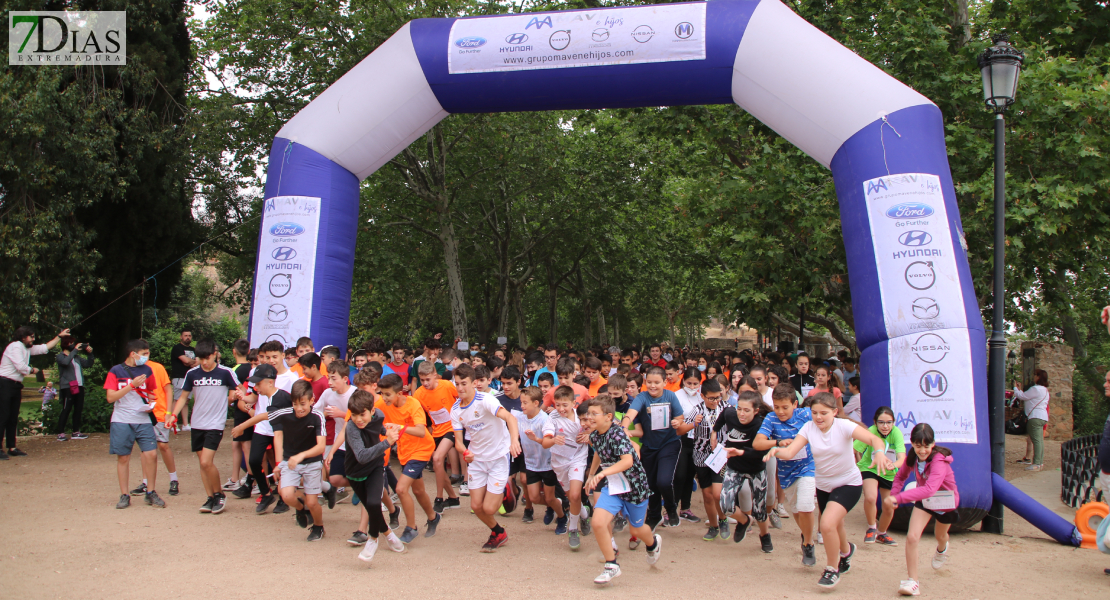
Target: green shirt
[[894, 446]]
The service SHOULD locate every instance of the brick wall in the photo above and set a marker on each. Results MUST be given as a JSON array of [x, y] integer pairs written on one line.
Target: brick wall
[[1057, 361]]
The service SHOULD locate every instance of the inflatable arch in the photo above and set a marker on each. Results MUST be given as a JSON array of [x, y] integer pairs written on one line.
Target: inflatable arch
[[917, 320]]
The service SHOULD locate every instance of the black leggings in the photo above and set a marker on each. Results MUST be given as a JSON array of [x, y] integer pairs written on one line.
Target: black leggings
[[845, 495], [369, 492], [71, 402], [684, 474], [11, 393], [660, 466], [258, 454]]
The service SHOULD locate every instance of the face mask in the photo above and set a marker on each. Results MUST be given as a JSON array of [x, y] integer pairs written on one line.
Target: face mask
[[473, 352], [141, 360], [691, 388], [701, 367]]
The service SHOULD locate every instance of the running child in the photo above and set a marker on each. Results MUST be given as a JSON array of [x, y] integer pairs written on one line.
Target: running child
[[689, 396], [935, 496], [240, 446], [494, 441], [568, 460], [838, 481], [539, 477], [130, 389], [621, 485], [436, 396], [368, 440], [744, 489], [163, 396], [875, 483], [660, 413], [332, 401], [267, 397], [299, 433], [593, 370], [414, 449], [700, 421]]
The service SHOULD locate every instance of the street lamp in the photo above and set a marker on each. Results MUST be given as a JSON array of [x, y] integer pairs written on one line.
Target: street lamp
[[1000, 65]]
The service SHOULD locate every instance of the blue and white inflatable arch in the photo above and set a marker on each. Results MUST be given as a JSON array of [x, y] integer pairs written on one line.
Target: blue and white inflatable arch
[[916, 317]]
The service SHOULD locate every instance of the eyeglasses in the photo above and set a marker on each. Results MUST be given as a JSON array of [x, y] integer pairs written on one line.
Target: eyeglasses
[[884, 422]]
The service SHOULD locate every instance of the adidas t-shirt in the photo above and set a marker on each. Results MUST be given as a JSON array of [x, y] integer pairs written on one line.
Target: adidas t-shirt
[[210, 390]]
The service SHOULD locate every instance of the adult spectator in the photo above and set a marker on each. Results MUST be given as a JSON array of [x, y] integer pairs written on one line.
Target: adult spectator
[[14, 366], [1104, 448], [182, 358], [1036, 399], [71, 381]]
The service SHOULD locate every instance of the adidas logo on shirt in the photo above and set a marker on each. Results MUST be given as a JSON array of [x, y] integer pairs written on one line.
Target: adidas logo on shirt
[[208, 381]]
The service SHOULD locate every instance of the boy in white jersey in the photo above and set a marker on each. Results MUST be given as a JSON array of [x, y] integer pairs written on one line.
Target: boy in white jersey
[[568, 460], [493, 438], [540, 479]]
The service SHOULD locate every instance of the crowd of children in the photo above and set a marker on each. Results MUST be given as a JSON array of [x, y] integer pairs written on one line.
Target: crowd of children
[[602, 441]]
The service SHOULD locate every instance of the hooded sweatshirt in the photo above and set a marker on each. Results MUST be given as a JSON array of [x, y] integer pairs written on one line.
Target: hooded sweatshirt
[[938, 475], [366, 449]]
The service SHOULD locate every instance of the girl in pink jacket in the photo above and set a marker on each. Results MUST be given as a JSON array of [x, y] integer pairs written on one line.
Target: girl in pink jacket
[[934, 496]]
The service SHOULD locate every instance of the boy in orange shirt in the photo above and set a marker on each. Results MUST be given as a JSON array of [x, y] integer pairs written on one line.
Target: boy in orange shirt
[[414, 449], [436, 396], [564, 369], [593, 373], [674, 377], [162, 392]]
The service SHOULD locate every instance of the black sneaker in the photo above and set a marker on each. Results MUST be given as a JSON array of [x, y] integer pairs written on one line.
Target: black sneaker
[[331, 496], [809, 555], [242, 492], [741, 531], [846, 561], [281, 508], [124, 501], [394, 518], [653, 523], [548, 516], [3, 455], [456, 479], [316, 534], [450, 503], [139, 491], [207, 506], [765, 543], [173, 488], [358, 538], [152, 499], [674, 520], [437, 505], [77, 435], [219, 503], [265, 503], [430, 528], [829, 579], [302, 518], [16, 452], [529, 515]]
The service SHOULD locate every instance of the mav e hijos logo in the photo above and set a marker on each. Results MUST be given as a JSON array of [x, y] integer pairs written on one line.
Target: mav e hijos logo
[[67, 38]]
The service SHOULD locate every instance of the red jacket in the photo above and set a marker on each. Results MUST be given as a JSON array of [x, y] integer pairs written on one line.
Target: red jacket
[[938, 475]]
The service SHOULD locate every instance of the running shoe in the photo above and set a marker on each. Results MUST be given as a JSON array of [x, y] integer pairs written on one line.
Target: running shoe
[[724, 528], [369, 550], [207, 506], [909, 587], [437, 505], [395, 543], [219, 503], [77, 435], [653, 555], [456, 479], [741, 531], [781, 511], [633, 543], [809, 555], [408, 535], [584, 522], [572, 539], [281, 507], [869, 537], [820, 538], [765, 544], [829, 578], [711, 534], [620, 523], [18, 452], [776, 522], [463, 489], [331, 496], [316, 533], [242, 493], [302, 518], [173, 487], [430, 528], [548, 516], [152, 499], [264, 503], [561, 525], [230, 485], [124, 501], [186, 428], [529, 515], [939, 558], [611, 571], [885, 540], [495, 541], [358, 538], [689, 516], [343, 495], [61, 437], [394, 518], [846, 561], [139, 491], [450, 503], [673, 520]]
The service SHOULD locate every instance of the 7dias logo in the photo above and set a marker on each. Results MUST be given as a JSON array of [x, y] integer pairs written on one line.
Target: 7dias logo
[[67, 38]]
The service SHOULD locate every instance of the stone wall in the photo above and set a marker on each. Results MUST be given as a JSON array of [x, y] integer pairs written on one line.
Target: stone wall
[[1057, 361]]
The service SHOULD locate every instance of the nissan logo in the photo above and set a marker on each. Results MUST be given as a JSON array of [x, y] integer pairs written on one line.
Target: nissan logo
[[284, 253], [915, 239], [931, 348]]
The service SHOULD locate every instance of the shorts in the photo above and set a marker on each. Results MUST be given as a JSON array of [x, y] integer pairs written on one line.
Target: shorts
[[614, 505], [800, 495], [414, 469], [946, 518], [707, 477], [845, 495], [161, 434], [490, 474], [447, 436], [567, 473], [746, 493], [306, 474], [884, 484], [517, 465], [207, 438], [338, 469], [122, 438], [547, 478]]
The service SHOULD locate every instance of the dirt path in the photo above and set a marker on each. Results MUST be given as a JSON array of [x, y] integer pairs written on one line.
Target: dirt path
[[64, 538]]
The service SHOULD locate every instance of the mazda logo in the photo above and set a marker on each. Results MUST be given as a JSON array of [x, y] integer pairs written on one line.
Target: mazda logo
[[277, 313], [925, 308], [284, 253], [914, 239], [600, 34]]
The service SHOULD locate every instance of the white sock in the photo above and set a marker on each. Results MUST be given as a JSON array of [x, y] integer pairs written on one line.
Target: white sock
[[872, 526], [614, 543], [573, 523], [144, 482], [584, 512], [173, 477], [325, 486]]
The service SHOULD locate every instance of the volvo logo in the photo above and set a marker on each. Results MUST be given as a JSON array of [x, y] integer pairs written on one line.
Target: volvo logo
[[284, 253], [925, 308], [683, 30], [560, 39], [920, 275], [280, 285], [516, 38], [914, 239]]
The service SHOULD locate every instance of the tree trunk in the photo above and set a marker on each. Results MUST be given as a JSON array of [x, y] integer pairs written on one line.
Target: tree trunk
[[602, 335], [588, 328], [521, 325], [454, 276], [670, 327], [616, 331], [961, 25]]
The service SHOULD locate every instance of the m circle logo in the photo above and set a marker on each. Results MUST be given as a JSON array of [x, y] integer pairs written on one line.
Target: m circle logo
[[933, 384], [277, 313], [684, 30]]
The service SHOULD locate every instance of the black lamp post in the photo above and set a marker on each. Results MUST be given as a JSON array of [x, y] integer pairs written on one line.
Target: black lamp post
[[1000, 65]]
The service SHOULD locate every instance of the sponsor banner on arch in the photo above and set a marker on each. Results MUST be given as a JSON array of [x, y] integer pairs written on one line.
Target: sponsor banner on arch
[[616, 36], [931, 382], [282, 308], [914, 254]]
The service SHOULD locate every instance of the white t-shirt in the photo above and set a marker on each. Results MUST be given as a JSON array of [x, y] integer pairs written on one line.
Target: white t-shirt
[[286, 380], [536, 457], [767, 398], [570, 453], [330, 398], [489, 436], [832, 454], [688, 402]]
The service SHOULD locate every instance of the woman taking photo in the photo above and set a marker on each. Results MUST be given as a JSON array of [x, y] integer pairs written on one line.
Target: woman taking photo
[[71, 384], [1036, 398]]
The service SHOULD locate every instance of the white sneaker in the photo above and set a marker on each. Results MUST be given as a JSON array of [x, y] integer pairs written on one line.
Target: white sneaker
[[611, 572], [464, 490], [820, 540], [395, 543], [782, 512], [653, 555], [368, 550], [939, 558], [909, 587], [185, 428], [230, 485]]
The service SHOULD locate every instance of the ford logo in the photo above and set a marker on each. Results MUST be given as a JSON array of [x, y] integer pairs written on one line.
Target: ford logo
[[286, 229], [470, 42], [909, 210]]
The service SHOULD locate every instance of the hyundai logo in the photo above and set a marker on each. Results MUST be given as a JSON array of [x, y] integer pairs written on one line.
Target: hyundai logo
[[470, 42], [284, 253], [560, 39], [280, 285], [933, 384], [286, 229], [915, 238], [683, 30], [277, 313], [909, 210], [516, 38], [920, 275], [600, 35], [925, 308], [643, 34]]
